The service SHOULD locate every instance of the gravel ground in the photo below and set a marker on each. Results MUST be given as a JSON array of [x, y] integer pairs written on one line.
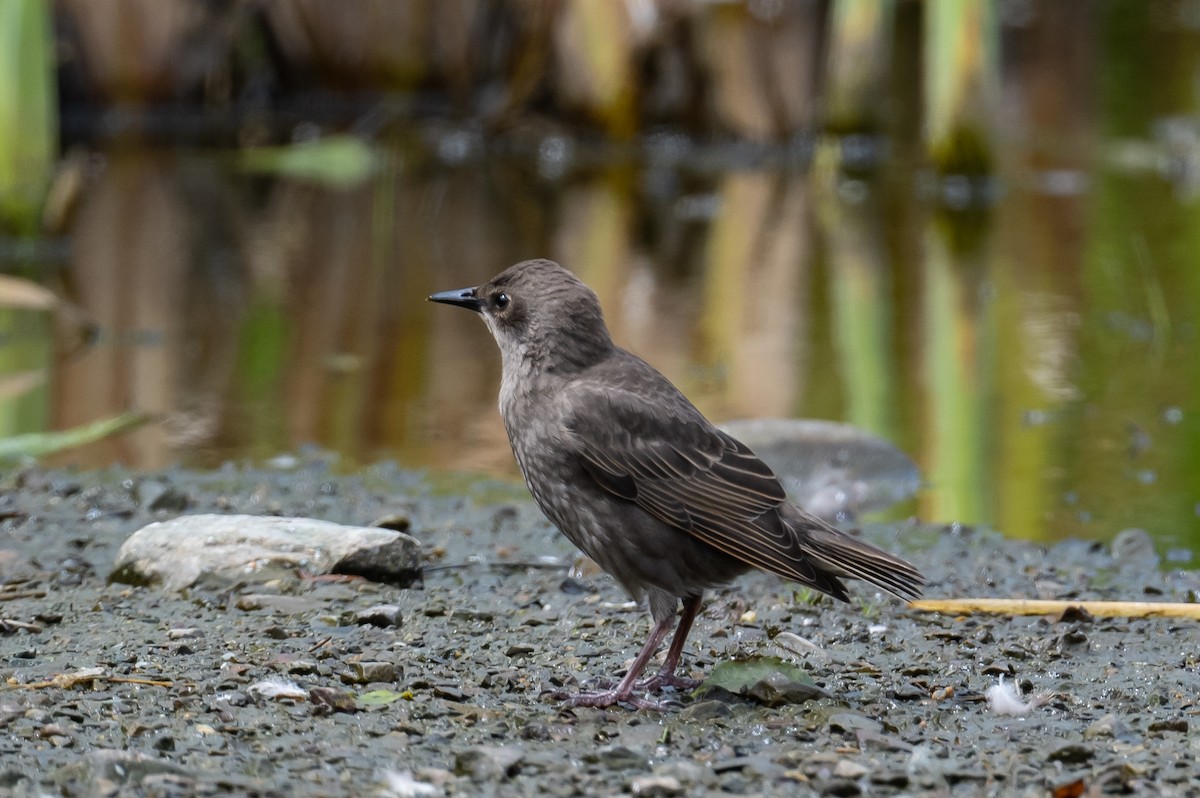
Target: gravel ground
[[305, 687]]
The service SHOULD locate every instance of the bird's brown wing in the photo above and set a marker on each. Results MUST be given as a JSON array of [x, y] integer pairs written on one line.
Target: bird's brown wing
[[690, 475]]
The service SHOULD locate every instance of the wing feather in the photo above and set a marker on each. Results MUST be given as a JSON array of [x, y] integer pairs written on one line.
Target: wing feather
[[690, 475], [642, 441]]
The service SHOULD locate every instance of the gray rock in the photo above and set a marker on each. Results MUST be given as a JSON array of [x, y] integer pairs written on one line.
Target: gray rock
[[845, 722], [489, 762], [620, 757], [372, 671], [1107, 726], [849, 769], [832, 470], [109, 771], [1133, 549], [1072, 753], [706, 710], [281, 604], [776, 689], [655, 786], [224, 549], [382, 615], [684, 771]]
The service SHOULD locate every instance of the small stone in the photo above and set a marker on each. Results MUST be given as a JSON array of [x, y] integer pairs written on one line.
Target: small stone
[[180, 633], [273, 602], [302, 667], [518, 650], [381, 615], [1072, 754], [275, 632], [891, 778], [489, 762], [685, 771], [620, 757], [1133, 550], [1107, 726], [372, 671], [156, 495], [655, 786], [1076, 615], [108, 771], [776, 689], [846, 722], [841, 788], [330, 699], [848, 769], [705, 710], [397, 522]]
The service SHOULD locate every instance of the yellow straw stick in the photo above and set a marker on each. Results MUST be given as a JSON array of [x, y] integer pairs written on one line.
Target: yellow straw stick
[[1100, 609]]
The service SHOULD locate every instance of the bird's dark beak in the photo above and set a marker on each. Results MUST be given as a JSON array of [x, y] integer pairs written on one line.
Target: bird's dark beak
[[463, 297]]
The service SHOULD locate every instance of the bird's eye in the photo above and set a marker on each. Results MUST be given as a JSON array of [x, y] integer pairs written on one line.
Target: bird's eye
[[502, 300]]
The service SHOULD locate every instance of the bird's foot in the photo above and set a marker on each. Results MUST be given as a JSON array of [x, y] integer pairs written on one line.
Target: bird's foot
[[607, 698], [663, 679]]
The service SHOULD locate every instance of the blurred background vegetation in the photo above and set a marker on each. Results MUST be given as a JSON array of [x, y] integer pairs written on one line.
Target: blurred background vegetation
[[968, 226]]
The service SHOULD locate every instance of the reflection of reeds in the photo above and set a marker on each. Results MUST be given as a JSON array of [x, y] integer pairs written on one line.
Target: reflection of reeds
[[961, 63], [863, 313], [137, 52], [956, 358], [28, 113], [26, 355], [858, 64], [756, 260], [155, 265]]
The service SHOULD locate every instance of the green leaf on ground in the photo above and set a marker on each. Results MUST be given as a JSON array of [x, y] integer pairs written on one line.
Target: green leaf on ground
[[768, 680], [378, 697]]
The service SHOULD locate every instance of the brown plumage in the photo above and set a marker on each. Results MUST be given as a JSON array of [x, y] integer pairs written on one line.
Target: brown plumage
[[632, 473]]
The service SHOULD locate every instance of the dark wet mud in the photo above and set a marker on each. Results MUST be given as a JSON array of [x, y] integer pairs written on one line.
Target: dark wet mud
[[306, 687]]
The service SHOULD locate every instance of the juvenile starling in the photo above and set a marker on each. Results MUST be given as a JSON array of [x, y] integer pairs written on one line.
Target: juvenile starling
[[631, 472]]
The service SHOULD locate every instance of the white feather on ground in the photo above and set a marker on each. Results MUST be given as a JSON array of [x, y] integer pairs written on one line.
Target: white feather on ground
[[1004, 700]]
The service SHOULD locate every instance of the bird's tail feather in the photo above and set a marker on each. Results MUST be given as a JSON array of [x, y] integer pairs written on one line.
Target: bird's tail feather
[[844, 555]]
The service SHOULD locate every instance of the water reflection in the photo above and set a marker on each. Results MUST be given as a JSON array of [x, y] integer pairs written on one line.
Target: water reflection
[[1038, 359]]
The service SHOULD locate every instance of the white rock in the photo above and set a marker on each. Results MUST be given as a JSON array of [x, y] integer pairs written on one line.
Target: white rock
[[179, 553]]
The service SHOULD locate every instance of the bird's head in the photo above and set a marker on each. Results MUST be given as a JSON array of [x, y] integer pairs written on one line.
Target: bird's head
[[539, 311]]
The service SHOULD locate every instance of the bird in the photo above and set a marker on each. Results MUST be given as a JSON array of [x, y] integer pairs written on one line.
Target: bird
[[632, 473]]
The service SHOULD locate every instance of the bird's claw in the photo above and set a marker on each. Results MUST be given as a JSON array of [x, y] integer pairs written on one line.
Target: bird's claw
[[607, 698]]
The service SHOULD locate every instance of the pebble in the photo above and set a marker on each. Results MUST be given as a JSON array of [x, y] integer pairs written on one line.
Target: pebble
[[372, 671], [655, 786], [777, 688], [845, 722], [1106, 726], [1072, 753], [181, 633], [381, 615], [619, 757], [684, 771], [489, 762], [706, 710], [848, 769]]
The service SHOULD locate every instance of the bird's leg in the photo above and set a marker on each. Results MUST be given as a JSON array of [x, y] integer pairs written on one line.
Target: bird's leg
[[666, 674], [623, 692]]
